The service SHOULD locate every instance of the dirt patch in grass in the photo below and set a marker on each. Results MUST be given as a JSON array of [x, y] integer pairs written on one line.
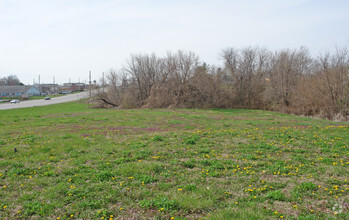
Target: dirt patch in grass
[[127, 130]]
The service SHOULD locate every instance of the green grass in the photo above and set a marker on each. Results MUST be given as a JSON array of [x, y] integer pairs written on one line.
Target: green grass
[[76, 162]]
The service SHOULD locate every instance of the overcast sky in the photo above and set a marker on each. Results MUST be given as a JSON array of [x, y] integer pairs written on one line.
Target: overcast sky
[[67, 38]]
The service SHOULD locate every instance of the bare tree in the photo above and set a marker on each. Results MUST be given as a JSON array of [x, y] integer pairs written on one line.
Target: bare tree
[[248, 68], [11, 80], [173, 86], [333, 82], [287, 67], [286, 80], [146, 70], [110, 96]]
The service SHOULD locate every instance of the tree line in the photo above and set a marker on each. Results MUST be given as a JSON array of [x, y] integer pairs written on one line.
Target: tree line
[[11, 80], [289, 80]]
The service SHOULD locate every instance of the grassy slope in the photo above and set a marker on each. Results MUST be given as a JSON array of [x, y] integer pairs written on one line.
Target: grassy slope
[[76, 162]]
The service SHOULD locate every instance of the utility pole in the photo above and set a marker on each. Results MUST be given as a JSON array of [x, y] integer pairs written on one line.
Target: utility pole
[[39, 86], [54, 86], [90, 84], [103, 82]]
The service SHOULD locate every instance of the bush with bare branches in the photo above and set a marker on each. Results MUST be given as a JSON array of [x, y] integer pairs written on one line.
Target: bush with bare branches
[[287, 80]]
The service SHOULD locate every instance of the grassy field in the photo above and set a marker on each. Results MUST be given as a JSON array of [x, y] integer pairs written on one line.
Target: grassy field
[[75, 162]]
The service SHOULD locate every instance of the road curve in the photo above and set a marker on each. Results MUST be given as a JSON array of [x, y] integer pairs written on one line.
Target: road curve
[[42, 102]]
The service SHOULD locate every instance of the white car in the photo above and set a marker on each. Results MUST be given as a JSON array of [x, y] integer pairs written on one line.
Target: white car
[[14, 101]]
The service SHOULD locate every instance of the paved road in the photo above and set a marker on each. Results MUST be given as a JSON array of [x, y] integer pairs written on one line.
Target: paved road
[[41, 102]]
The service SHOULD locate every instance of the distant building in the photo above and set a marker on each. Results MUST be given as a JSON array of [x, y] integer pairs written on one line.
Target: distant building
[[49, 88], [73, 87], [18, 91]]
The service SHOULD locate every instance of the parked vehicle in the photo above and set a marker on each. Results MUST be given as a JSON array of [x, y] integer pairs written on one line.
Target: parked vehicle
[[47, 98], [14, 101]]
